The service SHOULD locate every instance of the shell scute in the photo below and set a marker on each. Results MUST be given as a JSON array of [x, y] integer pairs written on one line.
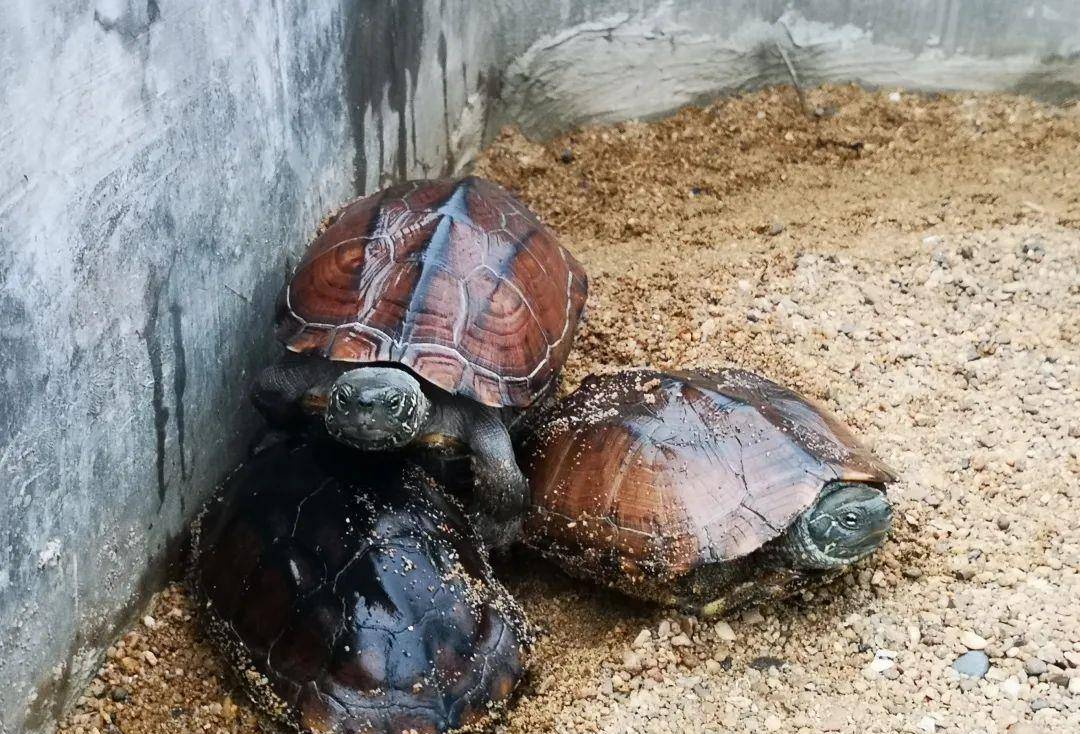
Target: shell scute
[[685, 469], [438, 266], [359, 579]]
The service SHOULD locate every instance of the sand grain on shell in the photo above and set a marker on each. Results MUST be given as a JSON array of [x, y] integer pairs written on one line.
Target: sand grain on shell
[[912, 264]]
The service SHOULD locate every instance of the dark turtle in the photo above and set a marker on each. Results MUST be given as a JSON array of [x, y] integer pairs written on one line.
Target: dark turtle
[[354, 597], [708, 490], [426, 314]]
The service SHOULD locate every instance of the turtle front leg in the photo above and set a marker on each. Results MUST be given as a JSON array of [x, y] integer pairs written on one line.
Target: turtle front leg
[[282, 392], [502, 490]]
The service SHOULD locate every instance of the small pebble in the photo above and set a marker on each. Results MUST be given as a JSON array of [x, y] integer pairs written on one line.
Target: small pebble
[[972, 641], [1025, 727], [1057, 676], [724, 631], [972, 664], [1035, 667], [681, 641], [880, 664]]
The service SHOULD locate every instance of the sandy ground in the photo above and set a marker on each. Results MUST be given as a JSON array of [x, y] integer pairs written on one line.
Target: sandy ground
[[912, 262]]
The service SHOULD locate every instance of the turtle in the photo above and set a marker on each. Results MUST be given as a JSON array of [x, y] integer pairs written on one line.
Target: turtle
[[353, 596], [708, 490], [430, 314]]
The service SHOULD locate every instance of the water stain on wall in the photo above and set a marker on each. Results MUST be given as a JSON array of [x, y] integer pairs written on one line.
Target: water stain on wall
[[382, 62], [153, 352]]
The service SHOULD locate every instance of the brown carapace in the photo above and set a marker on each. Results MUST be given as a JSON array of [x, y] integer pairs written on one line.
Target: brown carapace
[[453, 279], [643, 479], [352, 596]]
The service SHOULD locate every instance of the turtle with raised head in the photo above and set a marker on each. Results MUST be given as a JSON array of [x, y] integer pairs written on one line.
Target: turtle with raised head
[[428, 315], [353, 597], [708, 490]]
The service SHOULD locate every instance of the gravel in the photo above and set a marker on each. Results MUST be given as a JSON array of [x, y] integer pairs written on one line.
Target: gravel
[[923, 285]]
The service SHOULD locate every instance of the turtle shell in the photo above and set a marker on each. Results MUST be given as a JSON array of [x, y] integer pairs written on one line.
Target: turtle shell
[[454, 279], [651, 475], [354, 597]]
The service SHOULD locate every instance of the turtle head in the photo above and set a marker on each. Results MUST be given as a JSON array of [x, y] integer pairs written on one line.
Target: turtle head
[[376, 408], [848, 522]]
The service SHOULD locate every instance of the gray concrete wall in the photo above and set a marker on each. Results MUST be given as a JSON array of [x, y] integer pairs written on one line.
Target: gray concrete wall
[[157, 161], [638, 62], [160, 160]]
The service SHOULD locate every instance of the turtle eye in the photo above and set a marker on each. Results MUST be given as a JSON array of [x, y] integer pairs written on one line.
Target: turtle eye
[[341, 401], [395, 401], [850, 520]]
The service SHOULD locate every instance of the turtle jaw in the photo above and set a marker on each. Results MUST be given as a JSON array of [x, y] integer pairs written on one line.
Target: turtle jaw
[[849, 521], [376, 409]]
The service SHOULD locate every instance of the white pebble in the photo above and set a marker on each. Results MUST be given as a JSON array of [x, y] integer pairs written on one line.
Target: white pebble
[[1011, 687], [724, 631], [880, 664], [972, 641]]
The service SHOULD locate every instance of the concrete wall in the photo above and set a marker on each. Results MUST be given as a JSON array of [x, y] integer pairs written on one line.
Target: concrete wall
[[160, 160], [643, 61]]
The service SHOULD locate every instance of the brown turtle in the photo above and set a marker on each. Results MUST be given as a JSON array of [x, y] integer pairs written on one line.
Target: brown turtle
[[707, 489], [428, 314], [353, 597]]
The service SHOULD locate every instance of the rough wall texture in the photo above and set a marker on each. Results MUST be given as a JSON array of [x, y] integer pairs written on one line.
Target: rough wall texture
[[640, 62], [160, 160], [156, 170]]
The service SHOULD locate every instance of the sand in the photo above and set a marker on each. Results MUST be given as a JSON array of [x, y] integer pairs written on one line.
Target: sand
[[913, 263]]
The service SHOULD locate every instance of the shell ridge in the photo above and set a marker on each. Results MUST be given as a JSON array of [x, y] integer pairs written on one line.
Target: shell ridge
[[433, 261]]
